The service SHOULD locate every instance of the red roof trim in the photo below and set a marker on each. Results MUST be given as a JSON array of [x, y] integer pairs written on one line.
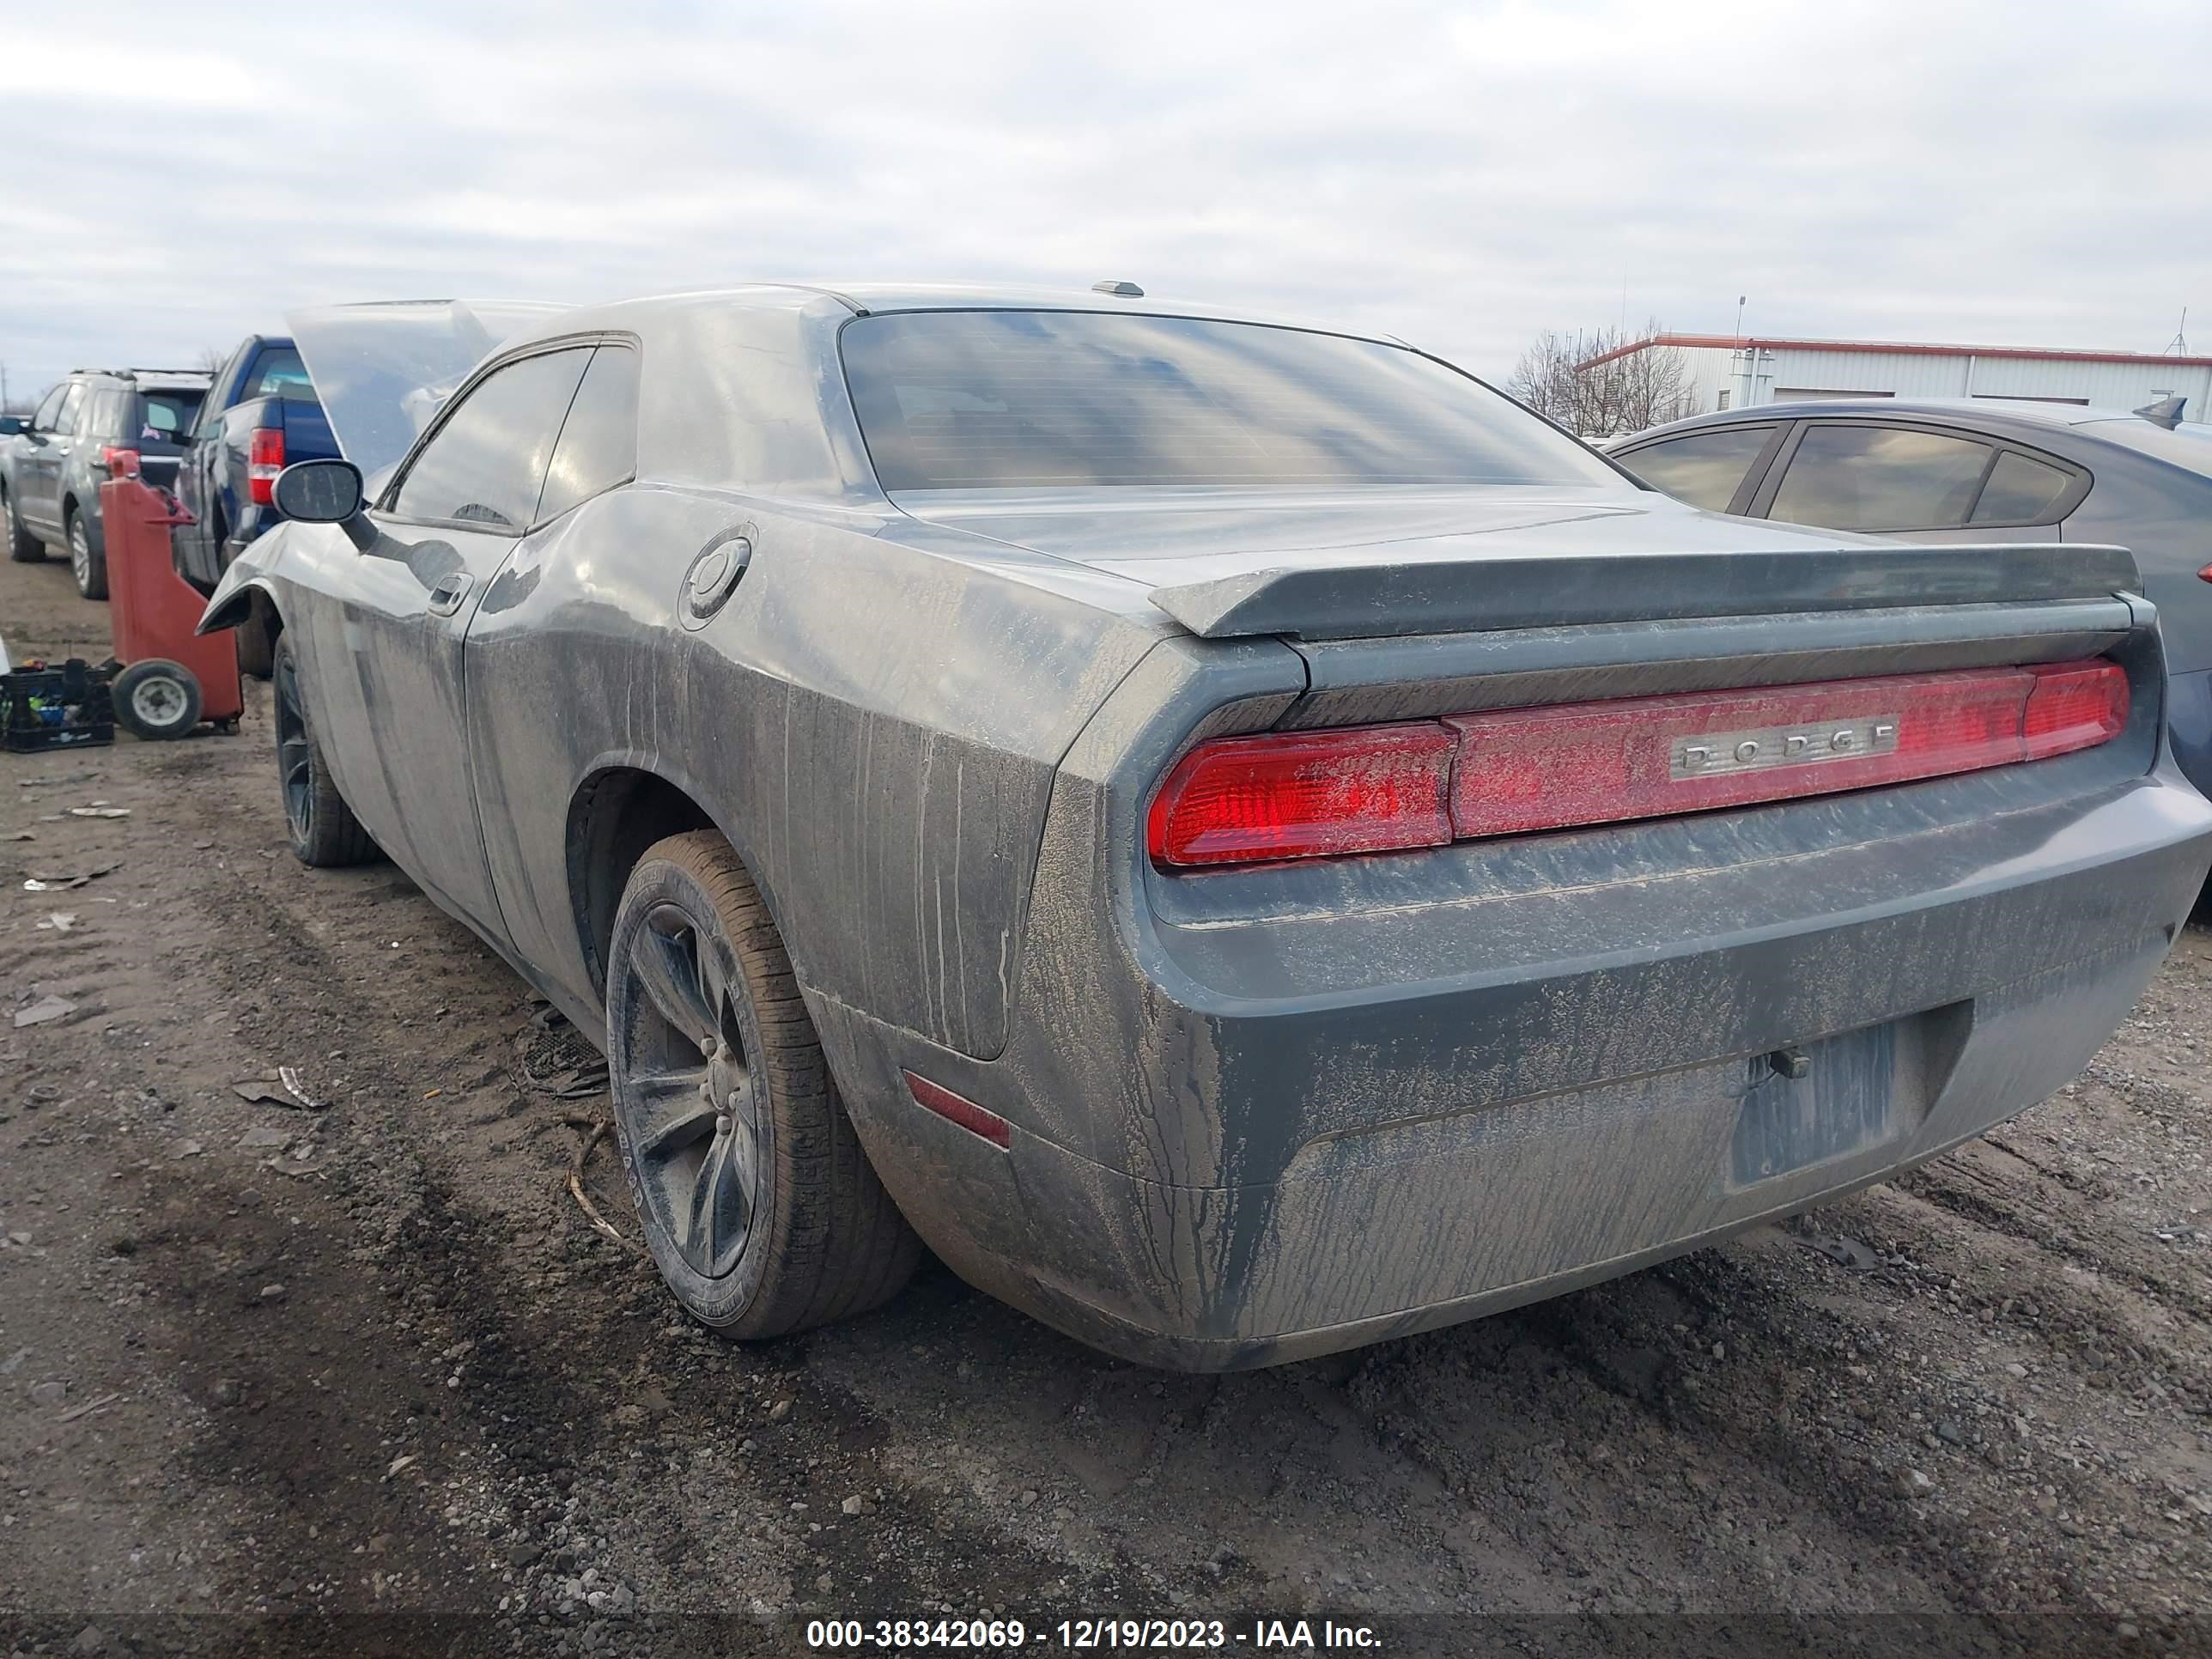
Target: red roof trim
[[1903, 349]]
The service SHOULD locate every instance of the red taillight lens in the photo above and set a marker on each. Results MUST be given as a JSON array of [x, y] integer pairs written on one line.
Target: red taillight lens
[[1301, 794], [121, 462], [265, 459], [2073, 706]]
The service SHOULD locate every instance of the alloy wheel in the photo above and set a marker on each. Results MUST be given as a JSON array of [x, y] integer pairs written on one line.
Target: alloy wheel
[[686, 1093], [296, 751], [80, 542]]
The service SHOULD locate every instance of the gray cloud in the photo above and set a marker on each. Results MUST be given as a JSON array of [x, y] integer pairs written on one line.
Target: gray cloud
[[2001, 172]]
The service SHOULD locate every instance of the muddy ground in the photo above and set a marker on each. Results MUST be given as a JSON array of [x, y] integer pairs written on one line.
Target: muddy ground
[[364, 1380]]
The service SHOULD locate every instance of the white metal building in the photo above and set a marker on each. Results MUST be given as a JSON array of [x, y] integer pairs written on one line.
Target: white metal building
[[1728, 373]]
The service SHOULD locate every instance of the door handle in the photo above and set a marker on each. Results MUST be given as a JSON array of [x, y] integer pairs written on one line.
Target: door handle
[[446, 597]]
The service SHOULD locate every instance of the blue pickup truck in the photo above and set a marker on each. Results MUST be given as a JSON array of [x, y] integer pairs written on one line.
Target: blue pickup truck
[[260, 416]]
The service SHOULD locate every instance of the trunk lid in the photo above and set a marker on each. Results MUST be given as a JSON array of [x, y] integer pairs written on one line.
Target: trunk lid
[[1379, 565]]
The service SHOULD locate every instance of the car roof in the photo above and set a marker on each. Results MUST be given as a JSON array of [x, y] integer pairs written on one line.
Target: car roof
[[877, 299], [1996, 414], [179, 379]]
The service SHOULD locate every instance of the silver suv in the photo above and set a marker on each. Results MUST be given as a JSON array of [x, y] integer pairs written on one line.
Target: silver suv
[[95, 425]]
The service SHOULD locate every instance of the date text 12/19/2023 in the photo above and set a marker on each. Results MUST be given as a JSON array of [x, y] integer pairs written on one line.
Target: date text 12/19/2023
[[1086, 1635]]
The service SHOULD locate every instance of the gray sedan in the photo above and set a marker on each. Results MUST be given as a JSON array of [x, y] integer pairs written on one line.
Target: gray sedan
[[1979, 470], [1241, 838]]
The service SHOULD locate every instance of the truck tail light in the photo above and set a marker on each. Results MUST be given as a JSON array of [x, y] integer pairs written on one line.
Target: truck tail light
[[265, 459], [118, 461], [1301, 794]]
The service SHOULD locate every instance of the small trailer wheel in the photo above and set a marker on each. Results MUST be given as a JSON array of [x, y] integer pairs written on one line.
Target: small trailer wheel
[[156, 699]]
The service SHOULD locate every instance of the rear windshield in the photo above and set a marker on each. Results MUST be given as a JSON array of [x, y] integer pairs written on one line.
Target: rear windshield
[[1037, 399], [2189, 444], [167, 413]]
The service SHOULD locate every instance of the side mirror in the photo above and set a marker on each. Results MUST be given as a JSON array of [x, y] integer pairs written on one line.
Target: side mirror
[[324, 492], [11, 425], [318, 492]]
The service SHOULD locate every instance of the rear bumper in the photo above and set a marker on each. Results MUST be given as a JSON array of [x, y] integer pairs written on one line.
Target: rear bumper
[[1205, 1178]]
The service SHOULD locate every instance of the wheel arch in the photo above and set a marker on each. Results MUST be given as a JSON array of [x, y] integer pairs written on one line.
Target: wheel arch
[[252, 600], [619, 810]]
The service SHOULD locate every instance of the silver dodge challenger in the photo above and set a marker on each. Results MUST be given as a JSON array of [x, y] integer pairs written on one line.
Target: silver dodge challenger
[[1242, 839]]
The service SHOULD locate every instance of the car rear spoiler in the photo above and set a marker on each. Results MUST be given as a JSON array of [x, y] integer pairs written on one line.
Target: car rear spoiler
[[1353, 600]]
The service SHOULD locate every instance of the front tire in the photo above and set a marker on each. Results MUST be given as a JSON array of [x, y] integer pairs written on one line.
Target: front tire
[[156, 699], [87, 562], [322, 830], [758, 1203], [23, 547]]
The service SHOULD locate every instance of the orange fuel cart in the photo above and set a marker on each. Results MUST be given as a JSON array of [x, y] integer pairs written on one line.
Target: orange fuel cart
[[172, 679]]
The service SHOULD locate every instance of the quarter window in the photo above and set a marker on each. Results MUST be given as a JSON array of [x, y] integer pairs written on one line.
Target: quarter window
[[1874, 478], [2021, 491], [1704, 469], [598, 448], [486, 463]]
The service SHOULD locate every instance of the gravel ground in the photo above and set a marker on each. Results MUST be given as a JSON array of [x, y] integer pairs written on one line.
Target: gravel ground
[[363, 1378]]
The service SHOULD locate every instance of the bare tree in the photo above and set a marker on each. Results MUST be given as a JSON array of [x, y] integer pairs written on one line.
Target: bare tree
[[1603, 383], [211, 360]]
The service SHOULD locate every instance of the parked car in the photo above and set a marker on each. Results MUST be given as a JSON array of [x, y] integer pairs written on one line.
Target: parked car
[[95, 424], [260, 414], [1245, 839], [1977, 470]]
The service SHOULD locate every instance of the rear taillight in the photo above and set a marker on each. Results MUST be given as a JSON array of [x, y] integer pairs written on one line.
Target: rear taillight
[[1283, 795], [121, 462], [265, 459], [1303, 794], [2073, 705]]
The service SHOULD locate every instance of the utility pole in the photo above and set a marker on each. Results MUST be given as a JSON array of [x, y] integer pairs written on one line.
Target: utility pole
[[1739, 314]]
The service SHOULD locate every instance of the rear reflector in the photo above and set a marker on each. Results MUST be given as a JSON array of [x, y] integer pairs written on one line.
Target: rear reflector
[[1422, 783], [954, 1110], [265, 459]]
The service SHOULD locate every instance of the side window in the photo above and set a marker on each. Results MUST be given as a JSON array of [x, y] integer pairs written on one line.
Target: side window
[[278, 372], [72, 405], [2021, 491], [212, 411], [50, 411], [1704, 469], [1874, 478], [486, 463], [598, 448], [113, 418]]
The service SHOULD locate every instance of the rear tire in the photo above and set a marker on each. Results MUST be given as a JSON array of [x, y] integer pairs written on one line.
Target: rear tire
[[23, 547], [322, 830], [257, 650], [759, 1205], [87, 560], [156, 699]]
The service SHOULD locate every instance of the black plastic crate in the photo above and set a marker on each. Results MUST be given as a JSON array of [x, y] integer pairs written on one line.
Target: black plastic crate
[[64, 707]]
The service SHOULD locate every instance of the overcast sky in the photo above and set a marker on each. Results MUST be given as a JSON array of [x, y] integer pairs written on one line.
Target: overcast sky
[[2013, 173]]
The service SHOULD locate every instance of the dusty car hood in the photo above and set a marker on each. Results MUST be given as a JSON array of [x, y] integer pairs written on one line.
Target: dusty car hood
[[1340, 566]]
